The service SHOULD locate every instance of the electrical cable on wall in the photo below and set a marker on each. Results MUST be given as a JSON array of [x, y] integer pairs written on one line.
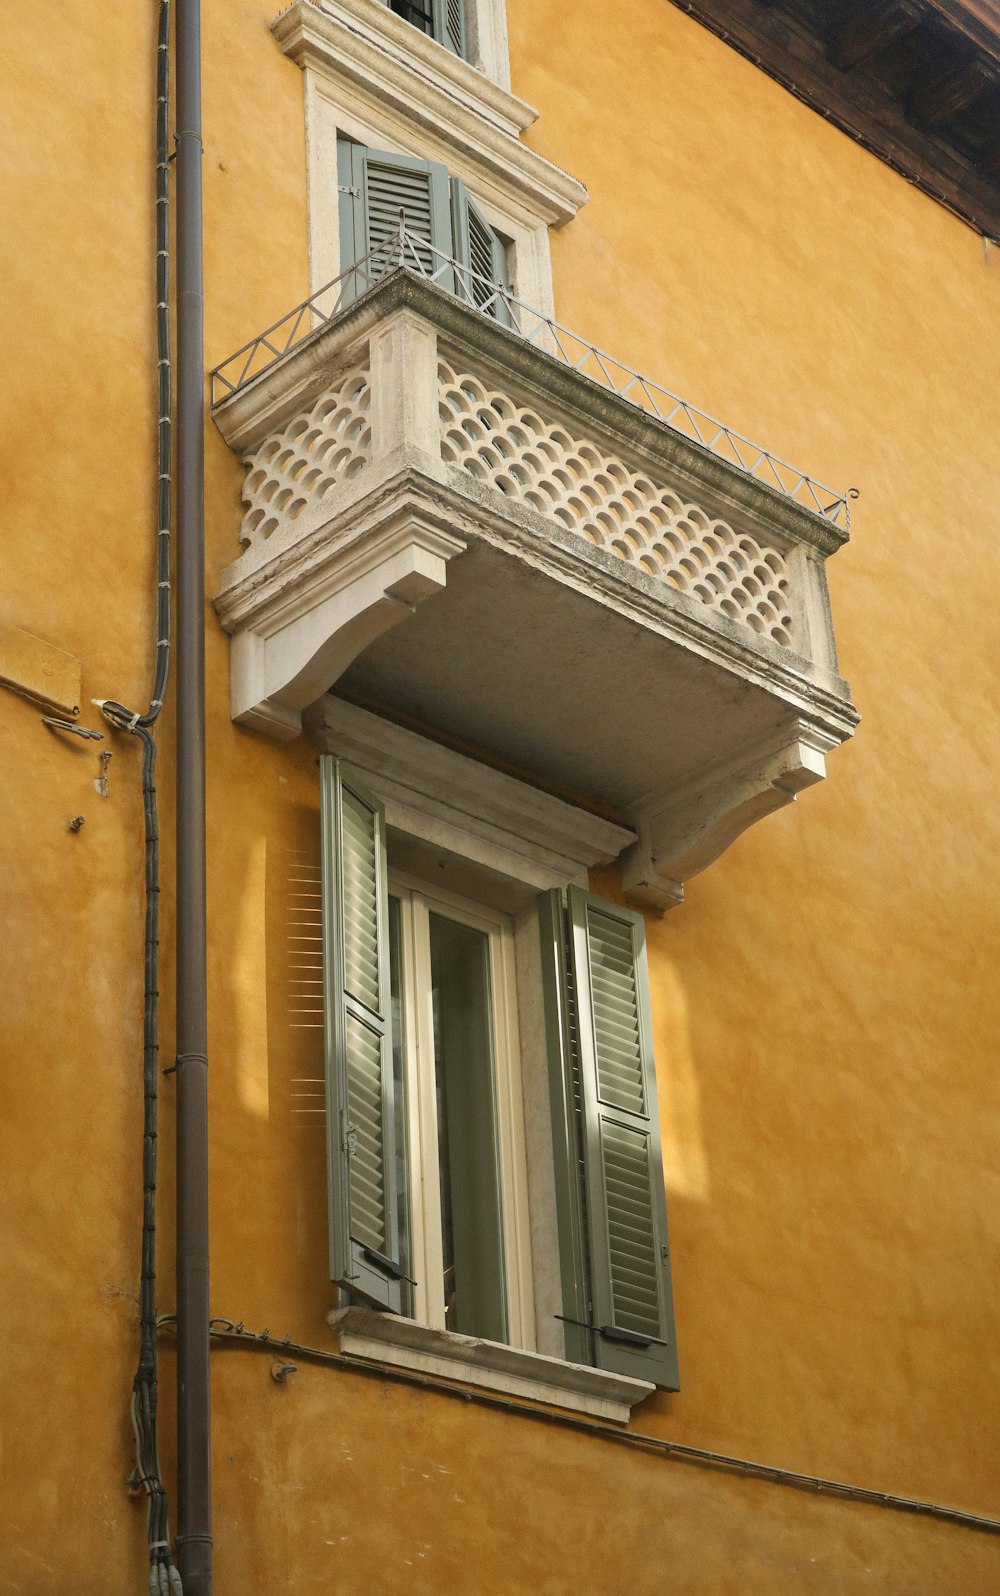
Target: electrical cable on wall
[[164, 1578]]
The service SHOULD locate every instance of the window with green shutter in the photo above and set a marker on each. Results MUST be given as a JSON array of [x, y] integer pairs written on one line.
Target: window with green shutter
[[481, 277], [360, 1097], [378, 190], [617, 1293], [421, 1042]]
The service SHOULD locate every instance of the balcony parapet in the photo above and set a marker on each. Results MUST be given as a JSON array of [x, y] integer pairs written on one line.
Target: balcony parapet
[[409, 436]]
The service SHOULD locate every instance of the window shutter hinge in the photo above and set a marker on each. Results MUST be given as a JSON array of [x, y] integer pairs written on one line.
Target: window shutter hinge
[[349, 188]]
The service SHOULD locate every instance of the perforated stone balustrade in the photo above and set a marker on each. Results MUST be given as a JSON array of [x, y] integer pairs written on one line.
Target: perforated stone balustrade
[[409, 430]]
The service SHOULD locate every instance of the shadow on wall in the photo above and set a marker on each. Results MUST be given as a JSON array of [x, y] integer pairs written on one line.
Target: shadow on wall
[[295, 1159]]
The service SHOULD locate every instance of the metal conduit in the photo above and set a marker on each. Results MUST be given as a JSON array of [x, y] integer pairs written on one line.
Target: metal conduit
[[194, 1537], [224, 1330]]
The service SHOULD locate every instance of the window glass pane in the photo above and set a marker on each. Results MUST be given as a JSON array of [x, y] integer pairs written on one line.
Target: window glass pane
[[467, 1137], [399, 1086], [416, 11]]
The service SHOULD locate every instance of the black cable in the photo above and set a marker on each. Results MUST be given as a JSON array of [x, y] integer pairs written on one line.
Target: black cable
[[237, 1334], [164, 1579]]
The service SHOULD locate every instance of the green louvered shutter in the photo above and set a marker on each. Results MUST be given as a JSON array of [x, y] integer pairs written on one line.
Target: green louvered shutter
[[449, 24], [562, 1047], [611, 1089], [380, 188], [478, 249], [361, 1161]]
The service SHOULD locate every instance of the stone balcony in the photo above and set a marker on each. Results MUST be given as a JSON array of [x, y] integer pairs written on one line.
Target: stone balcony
[[449, 524]]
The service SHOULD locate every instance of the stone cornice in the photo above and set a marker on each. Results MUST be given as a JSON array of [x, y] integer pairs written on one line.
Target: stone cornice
[[424, 782], [381, 63]]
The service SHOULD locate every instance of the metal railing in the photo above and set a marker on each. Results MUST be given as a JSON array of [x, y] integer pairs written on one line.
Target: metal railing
[[405, 251]]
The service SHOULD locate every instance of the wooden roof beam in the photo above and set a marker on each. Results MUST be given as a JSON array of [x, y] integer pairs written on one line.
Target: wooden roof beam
[[936, 97], [870, 30]]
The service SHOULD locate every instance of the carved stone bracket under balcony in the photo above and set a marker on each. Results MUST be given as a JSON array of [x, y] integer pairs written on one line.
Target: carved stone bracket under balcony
[[457, 529]]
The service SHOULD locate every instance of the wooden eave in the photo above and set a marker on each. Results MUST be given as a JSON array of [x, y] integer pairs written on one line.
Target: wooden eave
[[917, 82]]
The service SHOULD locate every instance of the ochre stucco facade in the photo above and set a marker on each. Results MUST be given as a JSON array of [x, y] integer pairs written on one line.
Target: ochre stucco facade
[[824, 1001]]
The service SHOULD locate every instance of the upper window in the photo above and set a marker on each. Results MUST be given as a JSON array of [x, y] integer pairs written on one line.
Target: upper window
[[448, 239], [443, 20], [426, 1117]]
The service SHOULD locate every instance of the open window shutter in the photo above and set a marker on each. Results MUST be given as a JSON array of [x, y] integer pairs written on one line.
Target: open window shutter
[[360, 1133], [562, 1047], [626, 1218], [382, 186], [449, 24], [480, 251]]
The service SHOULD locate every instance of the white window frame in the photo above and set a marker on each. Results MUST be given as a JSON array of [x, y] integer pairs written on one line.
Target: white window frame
[[418, 901]]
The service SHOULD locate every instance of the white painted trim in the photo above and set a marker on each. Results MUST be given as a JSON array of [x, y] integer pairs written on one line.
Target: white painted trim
[[418, 901], [487, 22], [367, 35], [466, 808], [401, 1343]]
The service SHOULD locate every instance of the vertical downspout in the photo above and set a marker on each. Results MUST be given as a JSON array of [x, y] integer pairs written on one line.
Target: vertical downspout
[[194, 1462]]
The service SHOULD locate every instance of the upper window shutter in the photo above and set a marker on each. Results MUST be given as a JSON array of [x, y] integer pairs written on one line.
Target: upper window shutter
[[480, 251], [449, 24], [632, 1311], [360, 1132], [381, 187]]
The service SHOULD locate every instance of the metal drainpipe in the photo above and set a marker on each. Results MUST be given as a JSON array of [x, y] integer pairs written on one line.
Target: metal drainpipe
[[194, 1460]]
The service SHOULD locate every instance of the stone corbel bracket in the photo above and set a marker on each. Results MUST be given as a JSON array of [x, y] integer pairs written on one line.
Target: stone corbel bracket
[[297, 630], [680, 834], [339, 549]]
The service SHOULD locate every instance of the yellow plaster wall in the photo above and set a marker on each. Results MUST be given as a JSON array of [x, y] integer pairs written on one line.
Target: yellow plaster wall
[[822, 1002]]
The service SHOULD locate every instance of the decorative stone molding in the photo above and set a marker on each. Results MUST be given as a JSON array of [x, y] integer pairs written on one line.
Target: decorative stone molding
[[682, 832], [460, 806], [412, 431], [594, 494], [402, 1343], [294, 470], [389, 76], [297, 630]]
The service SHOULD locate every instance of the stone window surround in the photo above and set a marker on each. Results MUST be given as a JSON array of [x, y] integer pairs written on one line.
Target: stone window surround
[[377, 79], [489, 835], [385, 1338]]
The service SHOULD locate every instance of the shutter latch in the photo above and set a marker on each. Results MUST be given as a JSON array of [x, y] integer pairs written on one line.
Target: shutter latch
[[612, 1332], [348, 1136], [388, 1266]]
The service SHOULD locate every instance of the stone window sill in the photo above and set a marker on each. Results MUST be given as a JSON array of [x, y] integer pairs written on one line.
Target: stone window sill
[[385, 1338]]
